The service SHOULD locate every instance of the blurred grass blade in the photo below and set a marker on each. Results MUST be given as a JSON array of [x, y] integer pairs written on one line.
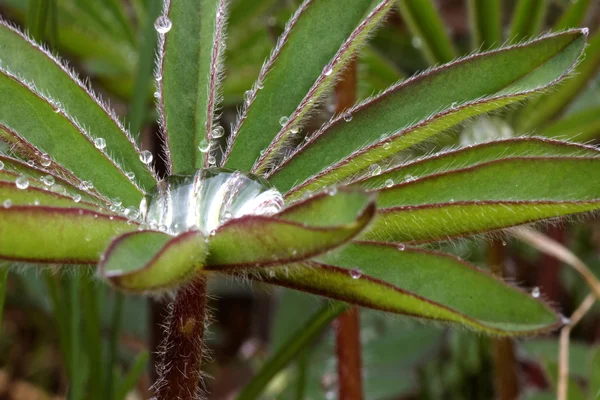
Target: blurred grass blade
[[92, 330], [375, 72], [580, 126], [37, 18], [190, 56], [304, 231], [574, 15], [69, 95], [3, 282], [485, 18], [322, 84], [325, 25], [144, 261], [475, 155], [421, 107], [77, 376], [426, 25], [137, 369], [419, 283], [501, 194], [291, 349], [56, 235], [119, 11], [541, 110], [528, 19]]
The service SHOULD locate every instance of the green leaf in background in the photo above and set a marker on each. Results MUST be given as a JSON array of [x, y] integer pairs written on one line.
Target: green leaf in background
[[308, 229], [485, 19], [407, 281], [501, 194], [574, 15], [528, 19], [149, 261], [421, 107], [427, 26], [71, 97], [325, 25], [581, 126], [324, 82], [375, 72], [57, 235], [192, 41]]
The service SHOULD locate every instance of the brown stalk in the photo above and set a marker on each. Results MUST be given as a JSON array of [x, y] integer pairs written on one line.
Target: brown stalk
[[179, 369], [506, 378], [347, 325]]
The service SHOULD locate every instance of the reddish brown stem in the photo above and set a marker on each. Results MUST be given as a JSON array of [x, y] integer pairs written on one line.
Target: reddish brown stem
[[348, 348], [505, 362], [181, 351]]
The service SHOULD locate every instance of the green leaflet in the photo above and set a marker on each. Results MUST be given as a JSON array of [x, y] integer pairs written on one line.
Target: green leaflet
[[34, 64], [419, 283], [426, 24], [375, 72], [36, 194], [421, 107], [147, 261], [56, 235], [31, 122], [322, 84], [581, 126], [304, 231], [323, 24], [190, 67], [501, 194], [543, 109], [528, 19], [485, 18], [473, 155]]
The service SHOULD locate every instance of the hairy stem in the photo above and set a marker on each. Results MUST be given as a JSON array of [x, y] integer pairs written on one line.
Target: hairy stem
[[347, 326], [181, 352]]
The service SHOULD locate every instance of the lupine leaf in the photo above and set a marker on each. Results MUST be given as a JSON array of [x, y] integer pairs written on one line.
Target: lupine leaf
[[421, 107], [528, 19], [501, 193], [57, 235], [308, 229], [375, 72], [419, 283], [426, 24], [35, 64], [474, 155], [323, 82], [485, 17], [325, 25], [36, 194], [581, 126], [30, 122], [541, 110], [150, 261], [189, 67], [573, 16]]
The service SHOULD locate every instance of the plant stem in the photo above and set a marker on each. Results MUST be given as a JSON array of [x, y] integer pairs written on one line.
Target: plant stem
[[347, 326], [505, 361], [181, 352], [113, 345]]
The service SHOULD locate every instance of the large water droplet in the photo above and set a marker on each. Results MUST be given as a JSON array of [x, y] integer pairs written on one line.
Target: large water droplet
[[22, 182], [146, 157], [100, 143], [163, 24], [208, 198]]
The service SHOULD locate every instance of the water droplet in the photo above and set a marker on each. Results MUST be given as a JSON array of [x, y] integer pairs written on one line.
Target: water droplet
[[401, 247], [217, 132], [76, 198], [204, 200], [1, 165], [36, 202], [283, 121], [503, 243], [22, 182], [355, 273], [130, 175], [131, 212], [387, 145], [294, 129], [212, 160], [163, 24], [347, 116], [58, 189], [409, 178], [389, 183], [328, 71], [45, 160], [248, 96], [204, 146], [85, 185], [585, 31], [535, 292], [48, 180], [100, 143], [374, 169], [157, 95], [31, 163], [332, 191], [146, 157], [565, 320], [7, 203], [417, 42]]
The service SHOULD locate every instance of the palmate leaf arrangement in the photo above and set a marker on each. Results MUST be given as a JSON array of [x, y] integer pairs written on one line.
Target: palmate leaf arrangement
[[329, 213]]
